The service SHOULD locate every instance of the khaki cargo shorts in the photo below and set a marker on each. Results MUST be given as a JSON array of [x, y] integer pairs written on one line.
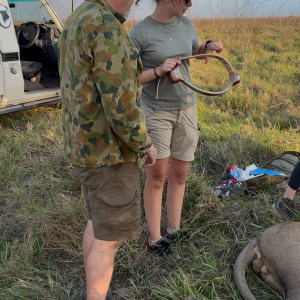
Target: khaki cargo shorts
[[113, 199], [173, 133]]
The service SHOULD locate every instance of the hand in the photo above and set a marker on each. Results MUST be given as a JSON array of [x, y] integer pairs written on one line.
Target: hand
[[167, 66], [213, 46], [151, 157]]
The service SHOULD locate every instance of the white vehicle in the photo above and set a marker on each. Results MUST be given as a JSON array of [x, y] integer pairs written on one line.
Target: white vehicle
[[29, 32]]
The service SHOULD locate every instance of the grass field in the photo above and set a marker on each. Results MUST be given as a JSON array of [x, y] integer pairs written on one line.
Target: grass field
[[42, 214]]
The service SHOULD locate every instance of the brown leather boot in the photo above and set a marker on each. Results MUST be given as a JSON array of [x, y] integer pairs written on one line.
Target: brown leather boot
[[285, 207]]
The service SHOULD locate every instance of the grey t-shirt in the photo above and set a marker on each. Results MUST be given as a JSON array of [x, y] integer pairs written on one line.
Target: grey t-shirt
[[156, 42]]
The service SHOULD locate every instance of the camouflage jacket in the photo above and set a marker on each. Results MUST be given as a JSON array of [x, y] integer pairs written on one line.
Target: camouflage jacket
[[100, 72]]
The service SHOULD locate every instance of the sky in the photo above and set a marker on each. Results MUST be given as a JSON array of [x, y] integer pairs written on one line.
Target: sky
[[230, 8], [209, 8]]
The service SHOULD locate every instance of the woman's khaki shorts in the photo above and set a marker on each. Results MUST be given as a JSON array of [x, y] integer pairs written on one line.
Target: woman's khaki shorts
[[173, 133], [113, 199]]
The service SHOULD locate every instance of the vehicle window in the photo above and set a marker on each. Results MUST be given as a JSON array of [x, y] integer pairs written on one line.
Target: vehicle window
[[29, 10]]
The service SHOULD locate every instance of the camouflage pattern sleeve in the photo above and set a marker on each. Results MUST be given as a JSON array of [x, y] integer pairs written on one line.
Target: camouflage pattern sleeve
[[117, 81], [100, 72]]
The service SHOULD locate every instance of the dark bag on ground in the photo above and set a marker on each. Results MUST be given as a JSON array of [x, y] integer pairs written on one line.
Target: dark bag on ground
[[284, 163]]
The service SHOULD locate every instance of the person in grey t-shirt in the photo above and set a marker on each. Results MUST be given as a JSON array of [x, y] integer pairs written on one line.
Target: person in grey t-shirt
[[172, 118]]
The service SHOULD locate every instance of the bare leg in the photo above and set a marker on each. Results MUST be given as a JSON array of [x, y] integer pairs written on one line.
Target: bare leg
[[153, 196], [289, 193], [87, 241], [99, 268], [177, 174]]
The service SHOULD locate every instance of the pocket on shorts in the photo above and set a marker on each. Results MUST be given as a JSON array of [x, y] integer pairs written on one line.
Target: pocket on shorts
[[117, 205], [190, 119], [122, 215], [197, 137], [117, 198], [121, 184]]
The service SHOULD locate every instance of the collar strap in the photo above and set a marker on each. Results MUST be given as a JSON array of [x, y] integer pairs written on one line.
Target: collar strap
[[175, 76]]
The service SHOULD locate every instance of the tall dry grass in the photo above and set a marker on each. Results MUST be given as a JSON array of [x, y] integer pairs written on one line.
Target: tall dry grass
[[42, 214]]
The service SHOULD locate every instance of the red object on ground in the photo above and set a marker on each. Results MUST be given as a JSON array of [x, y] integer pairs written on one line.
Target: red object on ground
[[229, 168], [228, 171]]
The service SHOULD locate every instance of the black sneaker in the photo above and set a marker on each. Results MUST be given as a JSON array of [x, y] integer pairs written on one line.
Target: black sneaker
[[181, 237], [83, 293], [162, 248]]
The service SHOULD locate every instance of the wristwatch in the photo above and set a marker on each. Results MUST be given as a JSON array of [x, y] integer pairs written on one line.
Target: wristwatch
[[207, 42]]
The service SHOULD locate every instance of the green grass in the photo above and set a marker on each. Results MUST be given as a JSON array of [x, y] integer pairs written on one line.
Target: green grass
[[42, 214]]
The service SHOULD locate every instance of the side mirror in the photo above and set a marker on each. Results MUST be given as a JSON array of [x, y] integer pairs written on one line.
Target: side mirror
[[12, 5]]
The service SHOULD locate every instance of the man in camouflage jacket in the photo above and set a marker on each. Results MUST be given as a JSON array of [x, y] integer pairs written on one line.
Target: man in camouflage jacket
[[104, 130]]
